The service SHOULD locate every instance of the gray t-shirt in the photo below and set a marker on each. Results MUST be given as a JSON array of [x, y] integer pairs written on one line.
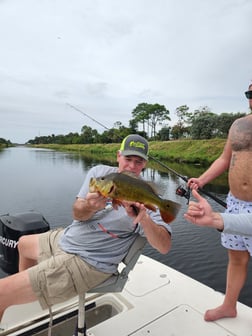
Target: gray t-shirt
[[92, 239]]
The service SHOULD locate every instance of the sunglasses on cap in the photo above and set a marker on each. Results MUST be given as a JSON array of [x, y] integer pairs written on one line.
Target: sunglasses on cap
[[248, 94]]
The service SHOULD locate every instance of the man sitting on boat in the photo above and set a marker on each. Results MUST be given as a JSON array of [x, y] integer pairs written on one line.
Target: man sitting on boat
[[59, 264]]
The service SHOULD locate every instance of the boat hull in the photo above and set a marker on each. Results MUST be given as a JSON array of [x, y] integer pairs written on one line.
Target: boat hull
[[156, 300]]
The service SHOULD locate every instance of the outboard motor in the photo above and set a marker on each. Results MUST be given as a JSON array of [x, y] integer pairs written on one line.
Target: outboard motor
[[11, 229]]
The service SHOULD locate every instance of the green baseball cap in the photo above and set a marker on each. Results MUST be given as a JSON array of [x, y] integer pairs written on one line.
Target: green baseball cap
[[135, 144]]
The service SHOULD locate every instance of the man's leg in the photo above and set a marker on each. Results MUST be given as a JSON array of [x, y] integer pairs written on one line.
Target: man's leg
[[15, 289], [28, 250], [236, 277]]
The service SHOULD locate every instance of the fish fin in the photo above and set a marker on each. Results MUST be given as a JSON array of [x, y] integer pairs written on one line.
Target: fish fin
[[131, 174], [150, 207], [116, 203], [153, 187], [169, 210]]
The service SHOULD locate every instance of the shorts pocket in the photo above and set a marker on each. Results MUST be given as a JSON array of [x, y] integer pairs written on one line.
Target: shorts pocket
[[60, 286]]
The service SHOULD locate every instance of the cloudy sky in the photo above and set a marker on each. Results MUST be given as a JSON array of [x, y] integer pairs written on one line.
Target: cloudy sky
[[107, 56]]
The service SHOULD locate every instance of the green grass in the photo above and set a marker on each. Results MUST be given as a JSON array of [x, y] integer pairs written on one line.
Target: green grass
[[188, 151]]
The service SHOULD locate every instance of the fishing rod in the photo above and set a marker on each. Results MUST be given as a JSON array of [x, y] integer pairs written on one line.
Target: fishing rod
[[180, 190], [88, 116]]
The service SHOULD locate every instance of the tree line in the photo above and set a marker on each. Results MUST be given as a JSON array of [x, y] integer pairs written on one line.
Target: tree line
[[4, 143], [152, 122]]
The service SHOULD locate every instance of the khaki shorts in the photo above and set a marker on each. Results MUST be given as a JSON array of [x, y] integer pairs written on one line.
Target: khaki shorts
[[60, 276]]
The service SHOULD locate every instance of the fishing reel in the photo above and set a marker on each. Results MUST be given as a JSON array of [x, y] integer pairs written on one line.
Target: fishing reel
[[182, 192]]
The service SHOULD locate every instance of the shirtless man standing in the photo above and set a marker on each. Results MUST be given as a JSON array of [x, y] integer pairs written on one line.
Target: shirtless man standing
[[237, 157]]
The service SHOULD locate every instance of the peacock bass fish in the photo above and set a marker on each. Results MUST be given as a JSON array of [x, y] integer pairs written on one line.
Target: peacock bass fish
[[126, 186]]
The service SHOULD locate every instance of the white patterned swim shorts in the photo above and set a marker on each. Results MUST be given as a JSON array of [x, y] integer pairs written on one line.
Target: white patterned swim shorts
[[237, 242]]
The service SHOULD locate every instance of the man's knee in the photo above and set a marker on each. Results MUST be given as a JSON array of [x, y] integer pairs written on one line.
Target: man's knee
[[28, 246], [239, 257], [22, 243]]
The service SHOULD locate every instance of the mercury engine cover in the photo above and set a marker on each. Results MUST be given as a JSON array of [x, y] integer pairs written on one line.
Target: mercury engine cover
[[12, 227]]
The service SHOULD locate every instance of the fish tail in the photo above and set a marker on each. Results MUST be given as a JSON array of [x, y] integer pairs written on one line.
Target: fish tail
[[169, 210]]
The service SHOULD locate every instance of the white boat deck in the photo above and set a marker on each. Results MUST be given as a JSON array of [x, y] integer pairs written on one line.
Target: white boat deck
[[156, 301]]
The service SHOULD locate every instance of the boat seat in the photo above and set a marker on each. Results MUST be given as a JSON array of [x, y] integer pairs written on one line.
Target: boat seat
[[116, 282]]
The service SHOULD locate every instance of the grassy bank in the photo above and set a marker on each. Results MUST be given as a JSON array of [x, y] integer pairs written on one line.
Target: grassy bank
[[189, 151]]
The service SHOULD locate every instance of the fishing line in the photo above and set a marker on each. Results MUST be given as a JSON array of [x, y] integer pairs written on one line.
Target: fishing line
[[184, 178]]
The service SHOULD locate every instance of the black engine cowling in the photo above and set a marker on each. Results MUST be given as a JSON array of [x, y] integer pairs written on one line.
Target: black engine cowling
[[12, 227]]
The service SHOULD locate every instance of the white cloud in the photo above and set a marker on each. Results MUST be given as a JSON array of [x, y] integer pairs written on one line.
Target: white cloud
[[105, 57]]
